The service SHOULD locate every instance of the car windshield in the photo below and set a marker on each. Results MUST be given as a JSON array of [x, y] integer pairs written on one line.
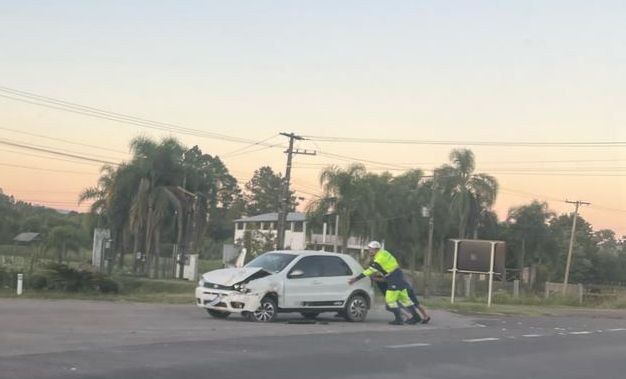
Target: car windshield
[[272, 262]]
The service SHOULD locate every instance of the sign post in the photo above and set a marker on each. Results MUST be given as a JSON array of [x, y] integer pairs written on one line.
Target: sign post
[[454, 269], [491, 262], [20, 281], [475, 257]]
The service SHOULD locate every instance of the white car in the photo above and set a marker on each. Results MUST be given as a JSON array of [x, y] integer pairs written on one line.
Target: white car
[[309, 282]]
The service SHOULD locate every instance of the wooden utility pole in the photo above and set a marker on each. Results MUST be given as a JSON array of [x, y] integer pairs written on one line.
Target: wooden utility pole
[[431, 230], [284, 195], [577, 204]]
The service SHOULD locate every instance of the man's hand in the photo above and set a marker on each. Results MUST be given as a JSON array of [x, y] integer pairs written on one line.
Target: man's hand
[[351, 281]]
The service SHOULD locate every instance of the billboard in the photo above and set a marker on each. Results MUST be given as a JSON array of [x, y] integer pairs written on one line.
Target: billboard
[[475, 256]]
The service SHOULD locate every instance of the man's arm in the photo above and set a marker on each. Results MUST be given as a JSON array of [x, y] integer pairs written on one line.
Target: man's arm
[[374, 267]]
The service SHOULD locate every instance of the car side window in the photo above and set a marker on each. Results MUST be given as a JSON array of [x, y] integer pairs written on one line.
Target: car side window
[[335, 266], [312, 267]]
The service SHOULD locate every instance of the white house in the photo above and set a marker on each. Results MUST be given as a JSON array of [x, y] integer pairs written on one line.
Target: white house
[[296, 235], [267, 223]]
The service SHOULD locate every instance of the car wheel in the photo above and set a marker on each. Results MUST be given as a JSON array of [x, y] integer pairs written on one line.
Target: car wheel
[[356, 308], [310, 315], [267, 312], [218, 314]]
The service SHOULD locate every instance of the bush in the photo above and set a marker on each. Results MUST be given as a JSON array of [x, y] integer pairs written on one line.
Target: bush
[[61, 277], [38, 282], [104, 284]]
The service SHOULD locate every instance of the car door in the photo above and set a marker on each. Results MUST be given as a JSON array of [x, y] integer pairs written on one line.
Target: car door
[[335, 274], [304, 290]]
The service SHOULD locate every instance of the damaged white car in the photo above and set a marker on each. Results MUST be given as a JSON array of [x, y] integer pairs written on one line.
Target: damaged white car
[[308, 282]]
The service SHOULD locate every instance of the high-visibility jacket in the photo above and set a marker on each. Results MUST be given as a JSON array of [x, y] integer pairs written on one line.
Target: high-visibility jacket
[[383, 262]]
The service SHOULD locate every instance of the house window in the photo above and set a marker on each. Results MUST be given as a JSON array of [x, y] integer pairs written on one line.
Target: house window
[[298, 226]]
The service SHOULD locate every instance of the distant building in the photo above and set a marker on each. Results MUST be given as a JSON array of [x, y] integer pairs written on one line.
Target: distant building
[[298, 235], [27, 238], [267, 223]]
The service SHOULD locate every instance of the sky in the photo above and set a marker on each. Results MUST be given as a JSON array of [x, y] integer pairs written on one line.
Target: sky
[[457, 71]]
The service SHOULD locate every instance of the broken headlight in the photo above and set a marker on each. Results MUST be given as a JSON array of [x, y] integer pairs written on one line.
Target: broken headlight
[[241, 287]]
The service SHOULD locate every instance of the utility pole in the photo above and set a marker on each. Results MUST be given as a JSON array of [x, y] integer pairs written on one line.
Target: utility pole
[[431, 230], [284, 195], [577, 204]]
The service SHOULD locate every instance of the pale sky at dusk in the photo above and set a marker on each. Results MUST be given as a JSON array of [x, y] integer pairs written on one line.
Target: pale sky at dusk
[[500, 71]]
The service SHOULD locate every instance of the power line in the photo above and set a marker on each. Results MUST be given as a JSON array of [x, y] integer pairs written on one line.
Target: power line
[[466, 143], [58, 104], [48, 169], [54, 152], [248, 146], [64, 140], [47, 157]]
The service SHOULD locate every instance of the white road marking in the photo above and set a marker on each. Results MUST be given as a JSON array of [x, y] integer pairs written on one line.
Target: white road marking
[[482, 339], [407, 345], [580, 333], [532, 335], [616, 330]]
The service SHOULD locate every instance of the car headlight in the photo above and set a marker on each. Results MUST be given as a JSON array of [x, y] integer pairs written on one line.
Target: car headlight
[[241, 288]]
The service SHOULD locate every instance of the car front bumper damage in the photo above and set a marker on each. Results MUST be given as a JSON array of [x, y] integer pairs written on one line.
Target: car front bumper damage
[[227, 301]]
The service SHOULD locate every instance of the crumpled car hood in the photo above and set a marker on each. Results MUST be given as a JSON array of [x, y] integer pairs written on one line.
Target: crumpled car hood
[[231, 276]]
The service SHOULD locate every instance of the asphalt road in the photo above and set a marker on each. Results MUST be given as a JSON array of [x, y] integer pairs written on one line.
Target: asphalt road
[[78, 339]]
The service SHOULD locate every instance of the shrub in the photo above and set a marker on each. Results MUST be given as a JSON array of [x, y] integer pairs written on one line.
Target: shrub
[[38, 282], [61, 277]]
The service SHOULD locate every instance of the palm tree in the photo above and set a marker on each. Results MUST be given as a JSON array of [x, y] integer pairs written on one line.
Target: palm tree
[[112, 198], [470, 193], [343, 195], [160, 167], [530, 225]]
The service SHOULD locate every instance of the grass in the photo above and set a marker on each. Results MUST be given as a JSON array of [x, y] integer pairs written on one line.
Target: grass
[[132, 290], [205, 265]]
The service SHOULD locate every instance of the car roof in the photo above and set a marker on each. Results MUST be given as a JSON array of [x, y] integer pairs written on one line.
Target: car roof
[[306, 252]]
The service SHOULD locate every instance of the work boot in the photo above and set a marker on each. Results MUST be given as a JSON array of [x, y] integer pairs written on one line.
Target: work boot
[[398, 317], [426, 320], [416, 317], [414, 321]]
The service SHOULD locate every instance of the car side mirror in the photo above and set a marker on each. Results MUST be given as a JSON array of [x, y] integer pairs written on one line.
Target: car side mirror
[[296, 274]]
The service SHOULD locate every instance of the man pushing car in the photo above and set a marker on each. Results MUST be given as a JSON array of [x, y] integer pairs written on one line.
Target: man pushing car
[[397, 291]]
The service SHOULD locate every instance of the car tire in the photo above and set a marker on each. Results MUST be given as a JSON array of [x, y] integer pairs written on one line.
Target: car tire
[[356, 308], [267, 312], [218, 314], [310, 315]]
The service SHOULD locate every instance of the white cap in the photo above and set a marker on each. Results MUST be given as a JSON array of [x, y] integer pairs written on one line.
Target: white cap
[[374, 245]]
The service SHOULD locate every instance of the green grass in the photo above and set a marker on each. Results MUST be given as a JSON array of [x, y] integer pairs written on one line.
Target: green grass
[[132, 290], [209, 265]]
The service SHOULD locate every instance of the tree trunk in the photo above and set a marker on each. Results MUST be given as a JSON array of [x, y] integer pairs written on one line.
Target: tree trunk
[[462, 228], [148, 239], [135, 250], [520, 259], [157, 252], [124, 245], [345, 233], [533, 274]]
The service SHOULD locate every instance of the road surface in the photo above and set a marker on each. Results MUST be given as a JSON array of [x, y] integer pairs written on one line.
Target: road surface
[[82, 339]]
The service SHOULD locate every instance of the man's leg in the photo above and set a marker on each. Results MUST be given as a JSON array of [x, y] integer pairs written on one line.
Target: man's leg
[[406, 302], [425, 317], [391, 299]]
